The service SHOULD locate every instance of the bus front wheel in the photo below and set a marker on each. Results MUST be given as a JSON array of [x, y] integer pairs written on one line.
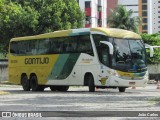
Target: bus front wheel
[[25, 83], [91, 84], [122, 89]]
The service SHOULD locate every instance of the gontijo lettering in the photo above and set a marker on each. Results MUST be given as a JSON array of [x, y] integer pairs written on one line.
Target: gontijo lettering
[[44, 60]]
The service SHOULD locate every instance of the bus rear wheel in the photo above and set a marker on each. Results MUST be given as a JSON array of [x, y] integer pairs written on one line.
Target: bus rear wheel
[[25, 83], [91, 84], [122, 89], [34, 84]]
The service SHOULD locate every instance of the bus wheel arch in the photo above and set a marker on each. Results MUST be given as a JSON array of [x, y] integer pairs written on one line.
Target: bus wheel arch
[[89, 81]]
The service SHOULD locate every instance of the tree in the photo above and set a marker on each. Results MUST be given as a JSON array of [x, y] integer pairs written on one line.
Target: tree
[[16, 21], [154, 40], [121, 18], [55, 14], [30, 17]]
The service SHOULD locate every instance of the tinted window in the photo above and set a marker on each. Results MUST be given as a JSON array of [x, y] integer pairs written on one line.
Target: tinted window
[[102, 50], [87, 4], [14, 48], [144, 1], [33, 47], [129, 55], [144, 13], [144, 27], [62, 45], [144, 7], [84, 44], [144, 20], [43, 46]]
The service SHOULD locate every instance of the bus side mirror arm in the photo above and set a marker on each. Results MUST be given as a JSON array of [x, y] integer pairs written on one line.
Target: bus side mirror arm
[[151, 49], [109, 45]]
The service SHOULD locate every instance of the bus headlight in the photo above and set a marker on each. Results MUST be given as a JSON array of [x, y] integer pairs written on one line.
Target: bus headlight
[[114, 73]]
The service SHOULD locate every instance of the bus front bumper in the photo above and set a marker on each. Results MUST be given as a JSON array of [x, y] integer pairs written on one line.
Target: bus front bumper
[[122, 82]]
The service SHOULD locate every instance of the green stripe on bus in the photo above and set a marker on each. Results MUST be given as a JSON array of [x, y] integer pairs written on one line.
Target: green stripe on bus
[[63, 66], [58, 67], [140, 74]]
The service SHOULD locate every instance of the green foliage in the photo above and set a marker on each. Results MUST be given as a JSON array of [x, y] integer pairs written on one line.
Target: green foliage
[[16, 21], [154, 40], [31, 17], [121, 18]]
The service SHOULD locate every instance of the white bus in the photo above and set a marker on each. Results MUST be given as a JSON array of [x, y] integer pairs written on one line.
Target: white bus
[[93, 57]]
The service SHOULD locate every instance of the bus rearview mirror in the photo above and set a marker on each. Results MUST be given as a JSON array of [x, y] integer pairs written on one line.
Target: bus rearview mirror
[[151, 49], [109, 45]]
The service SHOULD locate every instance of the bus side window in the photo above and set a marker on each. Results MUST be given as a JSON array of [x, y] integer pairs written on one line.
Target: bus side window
[[13, 48], [52, 46], [23, 46], [85, 45], [104, 54], [69, 48], [34, 49], [43, 46]]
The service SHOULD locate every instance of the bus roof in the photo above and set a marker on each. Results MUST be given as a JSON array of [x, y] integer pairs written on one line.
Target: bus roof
[[111, 32], [117, 33]]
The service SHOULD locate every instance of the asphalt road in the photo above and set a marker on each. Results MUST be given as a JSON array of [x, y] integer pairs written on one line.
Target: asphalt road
[[78, 102]]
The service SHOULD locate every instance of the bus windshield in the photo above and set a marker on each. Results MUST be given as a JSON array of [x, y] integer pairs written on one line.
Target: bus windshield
[[129, 55]]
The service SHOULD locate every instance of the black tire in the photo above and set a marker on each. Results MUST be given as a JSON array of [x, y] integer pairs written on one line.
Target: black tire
[[34, 84], [41, 88], [122, 89], [62, 88], [25, 83], [91, 84], [53, 88]]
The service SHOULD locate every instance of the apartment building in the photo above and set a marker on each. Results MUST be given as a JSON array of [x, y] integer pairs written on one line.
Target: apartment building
[[130, 4], [153, 15], [95, 11], [111, 4], [148, 10], [143, 13]]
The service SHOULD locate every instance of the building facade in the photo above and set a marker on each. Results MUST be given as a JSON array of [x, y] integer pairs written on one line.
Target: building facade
[[148, 10], [130, 4], [95, 11], [111, 5], [153, 16]]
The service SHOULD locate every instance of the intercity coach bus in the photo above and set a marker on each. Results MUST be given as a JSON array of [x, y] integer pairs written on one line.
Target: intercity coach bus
[[93, 57]]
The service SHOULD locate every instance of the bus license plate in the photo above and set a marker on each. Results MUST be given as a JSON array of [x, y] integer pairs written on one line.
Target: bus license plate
[[132, 83]]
